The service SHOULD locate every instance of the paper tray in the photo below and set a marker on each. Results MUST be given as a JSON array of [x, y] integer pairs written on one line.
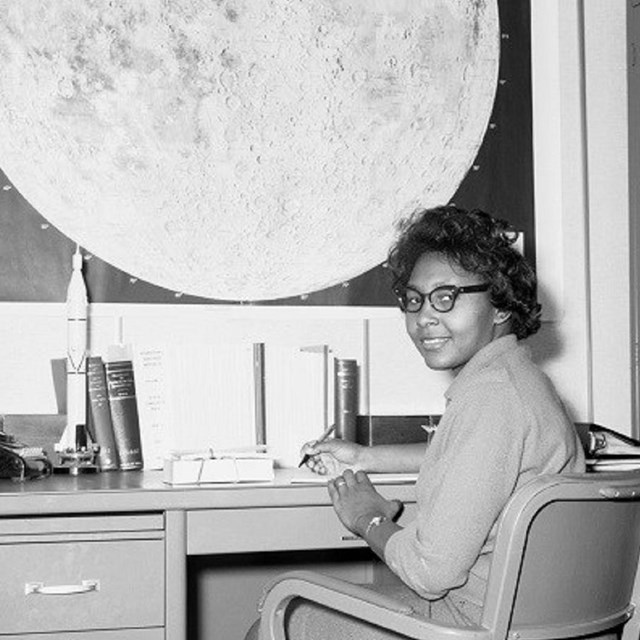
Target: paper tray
[[218, 470]]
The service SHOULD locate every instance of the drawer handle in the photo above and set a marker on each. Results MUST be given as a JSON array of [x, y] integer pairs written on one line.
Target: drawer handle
[[38, 588], [350, 538]]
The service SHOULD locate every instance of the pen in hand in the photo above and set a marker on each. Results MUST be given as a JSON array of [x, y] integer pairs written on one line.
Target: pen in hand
[[322, 438]]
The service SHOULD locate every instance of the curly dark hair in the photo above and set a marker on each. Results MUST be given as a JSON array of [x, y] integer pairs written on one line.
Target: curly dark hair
[[479, 244]]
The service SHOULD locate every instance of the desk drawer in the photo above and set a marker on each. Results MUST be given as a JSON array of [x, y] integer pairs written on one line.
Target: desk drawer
[[84, 585], [270, 529]]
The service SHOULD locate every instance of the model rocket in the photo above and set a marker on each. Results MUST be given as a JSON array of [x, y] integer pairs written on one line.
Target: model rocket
[[77, 303]]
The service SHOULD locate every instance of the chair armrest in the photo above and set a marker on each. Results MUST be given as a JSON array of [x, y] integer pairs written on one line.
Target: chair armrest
[[355, 601]]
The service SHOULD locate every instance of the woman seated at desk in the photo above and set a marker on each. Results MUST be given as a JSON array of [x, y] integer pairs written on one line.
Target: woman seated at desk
[[469, 299]]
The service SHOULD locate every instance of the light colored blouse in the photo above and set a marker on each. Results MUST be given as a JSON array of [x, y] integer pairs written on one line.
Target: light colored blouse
[[503, 425]]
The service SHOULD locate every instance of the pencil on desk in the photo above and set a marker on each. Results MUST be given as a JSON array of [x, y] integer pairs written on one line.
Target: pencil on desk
[[322, 438]]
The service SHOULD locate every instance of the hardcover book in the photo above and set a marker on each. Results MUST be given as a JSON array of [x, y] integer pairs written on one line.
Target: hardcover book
[[99, 414], [346, 398], [124, 413]]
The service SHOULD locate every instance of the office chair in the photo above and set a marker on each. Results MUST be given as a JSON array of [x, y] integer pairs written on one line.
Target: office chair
[[564, 567]]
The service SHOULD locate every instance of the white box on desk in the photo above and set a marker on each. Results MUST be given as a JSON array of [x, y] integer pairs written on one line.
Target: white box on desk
[[217, 470]]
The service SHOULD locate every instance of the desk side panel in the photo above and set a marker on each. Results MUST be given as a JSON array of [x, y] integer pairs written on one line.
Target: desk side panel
[[176, 575], [120, 634]]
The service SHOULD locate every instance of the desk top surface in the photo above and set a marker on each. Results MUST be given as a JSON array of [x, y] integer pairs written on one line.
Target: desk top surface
[[119, 491]]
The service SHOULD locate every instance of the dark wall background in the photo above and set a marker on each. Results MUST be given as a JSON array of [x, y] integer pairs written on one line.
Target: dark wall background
[[35, 257]]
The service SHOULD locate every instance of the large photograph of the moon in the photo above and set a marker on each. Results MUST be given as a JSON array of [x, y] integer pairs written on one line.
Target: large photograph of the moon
[[238, 149]]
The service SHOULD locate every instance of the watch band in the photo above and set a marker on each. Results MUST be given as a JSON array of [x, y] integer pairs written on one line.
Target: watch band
[[376, 521]]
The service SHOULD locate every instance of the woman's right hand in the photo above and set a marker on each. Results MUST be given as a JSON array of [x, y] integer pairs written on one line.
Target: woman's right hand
[[333, 457]]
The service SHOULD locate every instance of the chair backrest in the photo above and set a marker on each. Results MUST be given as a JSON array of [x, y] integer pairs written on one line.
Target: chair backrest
[[565, 558]]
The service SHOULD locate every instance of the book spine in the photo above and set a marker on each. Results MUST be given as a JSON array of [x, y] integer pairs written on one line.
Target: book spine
[[346, 398], [259, 393], [124, 413], [99, 414]]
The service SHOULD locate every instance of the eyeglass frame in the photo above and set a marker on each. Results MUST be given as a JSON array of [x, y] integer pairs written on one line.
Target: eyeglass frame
[[455, 291]]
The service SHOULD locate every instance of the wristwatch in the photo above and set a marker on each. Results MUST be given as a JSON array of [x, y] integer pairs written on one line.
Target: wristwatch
[[376, 521]]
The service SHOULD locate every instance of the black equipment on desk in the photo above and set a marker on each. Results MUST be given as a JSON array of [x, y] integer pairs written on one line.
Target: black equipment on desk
[[374, 430], [20, 462], [608, 450]]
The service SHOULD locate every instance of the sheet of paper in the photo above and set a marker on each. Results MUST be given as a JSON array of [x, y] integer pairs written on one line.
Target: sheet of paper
[[194, 396], [305, 476], [614, 465], [296, 400]]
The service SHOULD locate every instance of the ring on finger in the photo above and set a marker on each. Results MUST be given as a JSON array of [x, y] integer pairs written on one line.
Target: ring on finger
[[339, 482]]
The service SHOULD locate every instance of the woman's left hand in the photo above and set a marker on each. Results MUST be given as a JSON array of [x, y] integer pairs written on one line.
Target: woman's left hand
[[356, 501]]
